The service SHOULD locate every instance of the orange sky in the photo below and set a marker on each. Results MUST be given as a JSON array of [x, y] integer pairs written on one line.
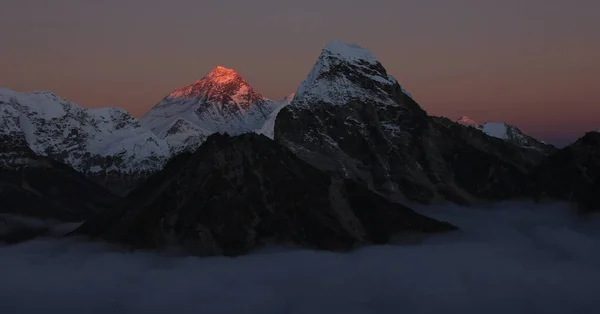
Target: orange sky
[[533, 63]]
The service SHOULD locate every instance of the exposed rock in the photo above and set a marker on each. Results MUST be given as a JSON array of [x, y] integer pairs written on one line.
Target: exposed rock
[[572, 173], [235, 194], [350, 118], [36, 186]]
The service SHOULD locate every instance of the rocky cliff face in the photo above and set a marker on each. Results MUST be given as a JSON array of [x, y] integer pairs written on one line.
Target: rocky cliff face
[[106, 144], [572, 173], [351, 118], [235, 194]]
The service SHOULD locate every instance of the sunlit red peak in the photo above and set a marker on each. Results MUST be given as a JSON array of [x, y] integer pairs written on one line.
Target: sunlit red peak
[[464, 120], [221, 74], [218, 78]]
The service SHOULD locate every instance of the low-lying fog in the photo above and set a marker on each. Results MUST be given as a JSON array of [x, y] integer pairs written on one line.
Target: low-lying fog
[[509, 258]]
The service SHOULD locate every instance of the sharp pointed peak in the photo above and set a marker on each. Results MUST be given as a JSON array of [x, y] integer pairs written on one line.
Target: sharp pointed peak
[[344, 50], [221, 70], [221, 74]]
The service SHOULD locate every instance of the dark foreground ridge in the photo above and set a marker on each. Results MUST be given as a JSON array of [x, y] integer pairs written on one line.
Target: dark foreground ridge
[[235, 194], [572, 173], [37, 186]]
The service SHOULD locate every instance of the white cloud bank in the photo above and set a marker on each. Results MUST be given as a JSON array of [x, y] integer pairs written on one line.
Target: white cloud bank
[[512, 258]]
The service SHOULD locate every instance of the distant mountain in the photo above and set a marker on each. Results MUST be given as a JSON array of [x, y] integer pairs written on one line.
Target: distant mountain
[[466, 121], [510, 133], [221, 102], [352, 119], [236, 194], [107, 144]]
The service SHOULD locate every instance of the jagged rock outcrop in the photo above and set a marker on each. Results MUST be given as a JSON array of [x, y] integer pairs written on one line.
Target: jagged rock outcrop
[[572, 173], [351, 118], [106, 144], [221, 102], [235, 194]]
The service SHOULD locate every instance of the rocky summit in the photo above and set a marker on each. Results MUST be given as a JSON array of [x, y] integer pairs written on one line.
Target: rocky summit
[[351, 118], [235, 194]]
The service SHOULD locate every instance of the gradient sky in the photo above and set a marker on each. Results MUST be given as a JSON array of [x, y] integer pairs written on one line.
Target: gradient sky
[[533, 63]]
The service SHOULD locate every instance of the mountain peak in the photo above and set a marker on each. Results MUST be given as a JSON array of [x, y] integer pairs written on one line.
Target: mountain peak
[[343, 50], [466, 121], [221, 84], [221, 74], [347, 72], [221, 102]]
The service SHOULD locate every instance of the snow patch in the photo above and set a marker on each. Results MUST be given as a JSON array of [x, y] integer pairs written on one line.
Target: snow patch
[[496, 129], [268, 128]]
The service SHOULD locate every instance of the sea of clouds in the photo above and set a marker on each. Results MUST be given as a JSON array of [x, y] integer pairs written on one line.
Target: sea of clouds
[[507, 258]]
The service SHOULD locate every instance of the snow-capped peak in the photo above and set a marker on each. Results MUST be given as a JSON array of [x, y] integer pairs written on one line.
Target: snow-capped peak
[[221, 74], [464, 120], [348, 51], [222, 101], [342, 73], [220, 85]]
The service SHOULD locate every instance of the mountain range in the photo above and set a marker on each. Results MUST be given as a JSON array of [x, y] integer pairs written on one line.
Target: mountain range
[[216, 168], [509, 133]]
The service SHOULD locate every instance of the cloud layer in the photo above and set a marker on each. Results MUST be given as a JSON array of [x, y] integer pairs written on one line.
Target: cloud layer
[[508, 258]]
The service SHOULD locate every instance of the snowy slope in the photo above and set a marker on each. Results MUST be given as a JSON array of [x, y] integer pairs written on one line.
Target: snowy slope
[[339, 89], [514, 135], [508, 133], [90, 140], [496, 129], [268, 128], [222, 102]]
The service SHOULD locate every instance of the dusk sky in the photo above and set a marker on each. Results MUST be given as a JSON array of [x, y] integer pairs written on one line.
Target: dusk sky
[[533, 63]]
